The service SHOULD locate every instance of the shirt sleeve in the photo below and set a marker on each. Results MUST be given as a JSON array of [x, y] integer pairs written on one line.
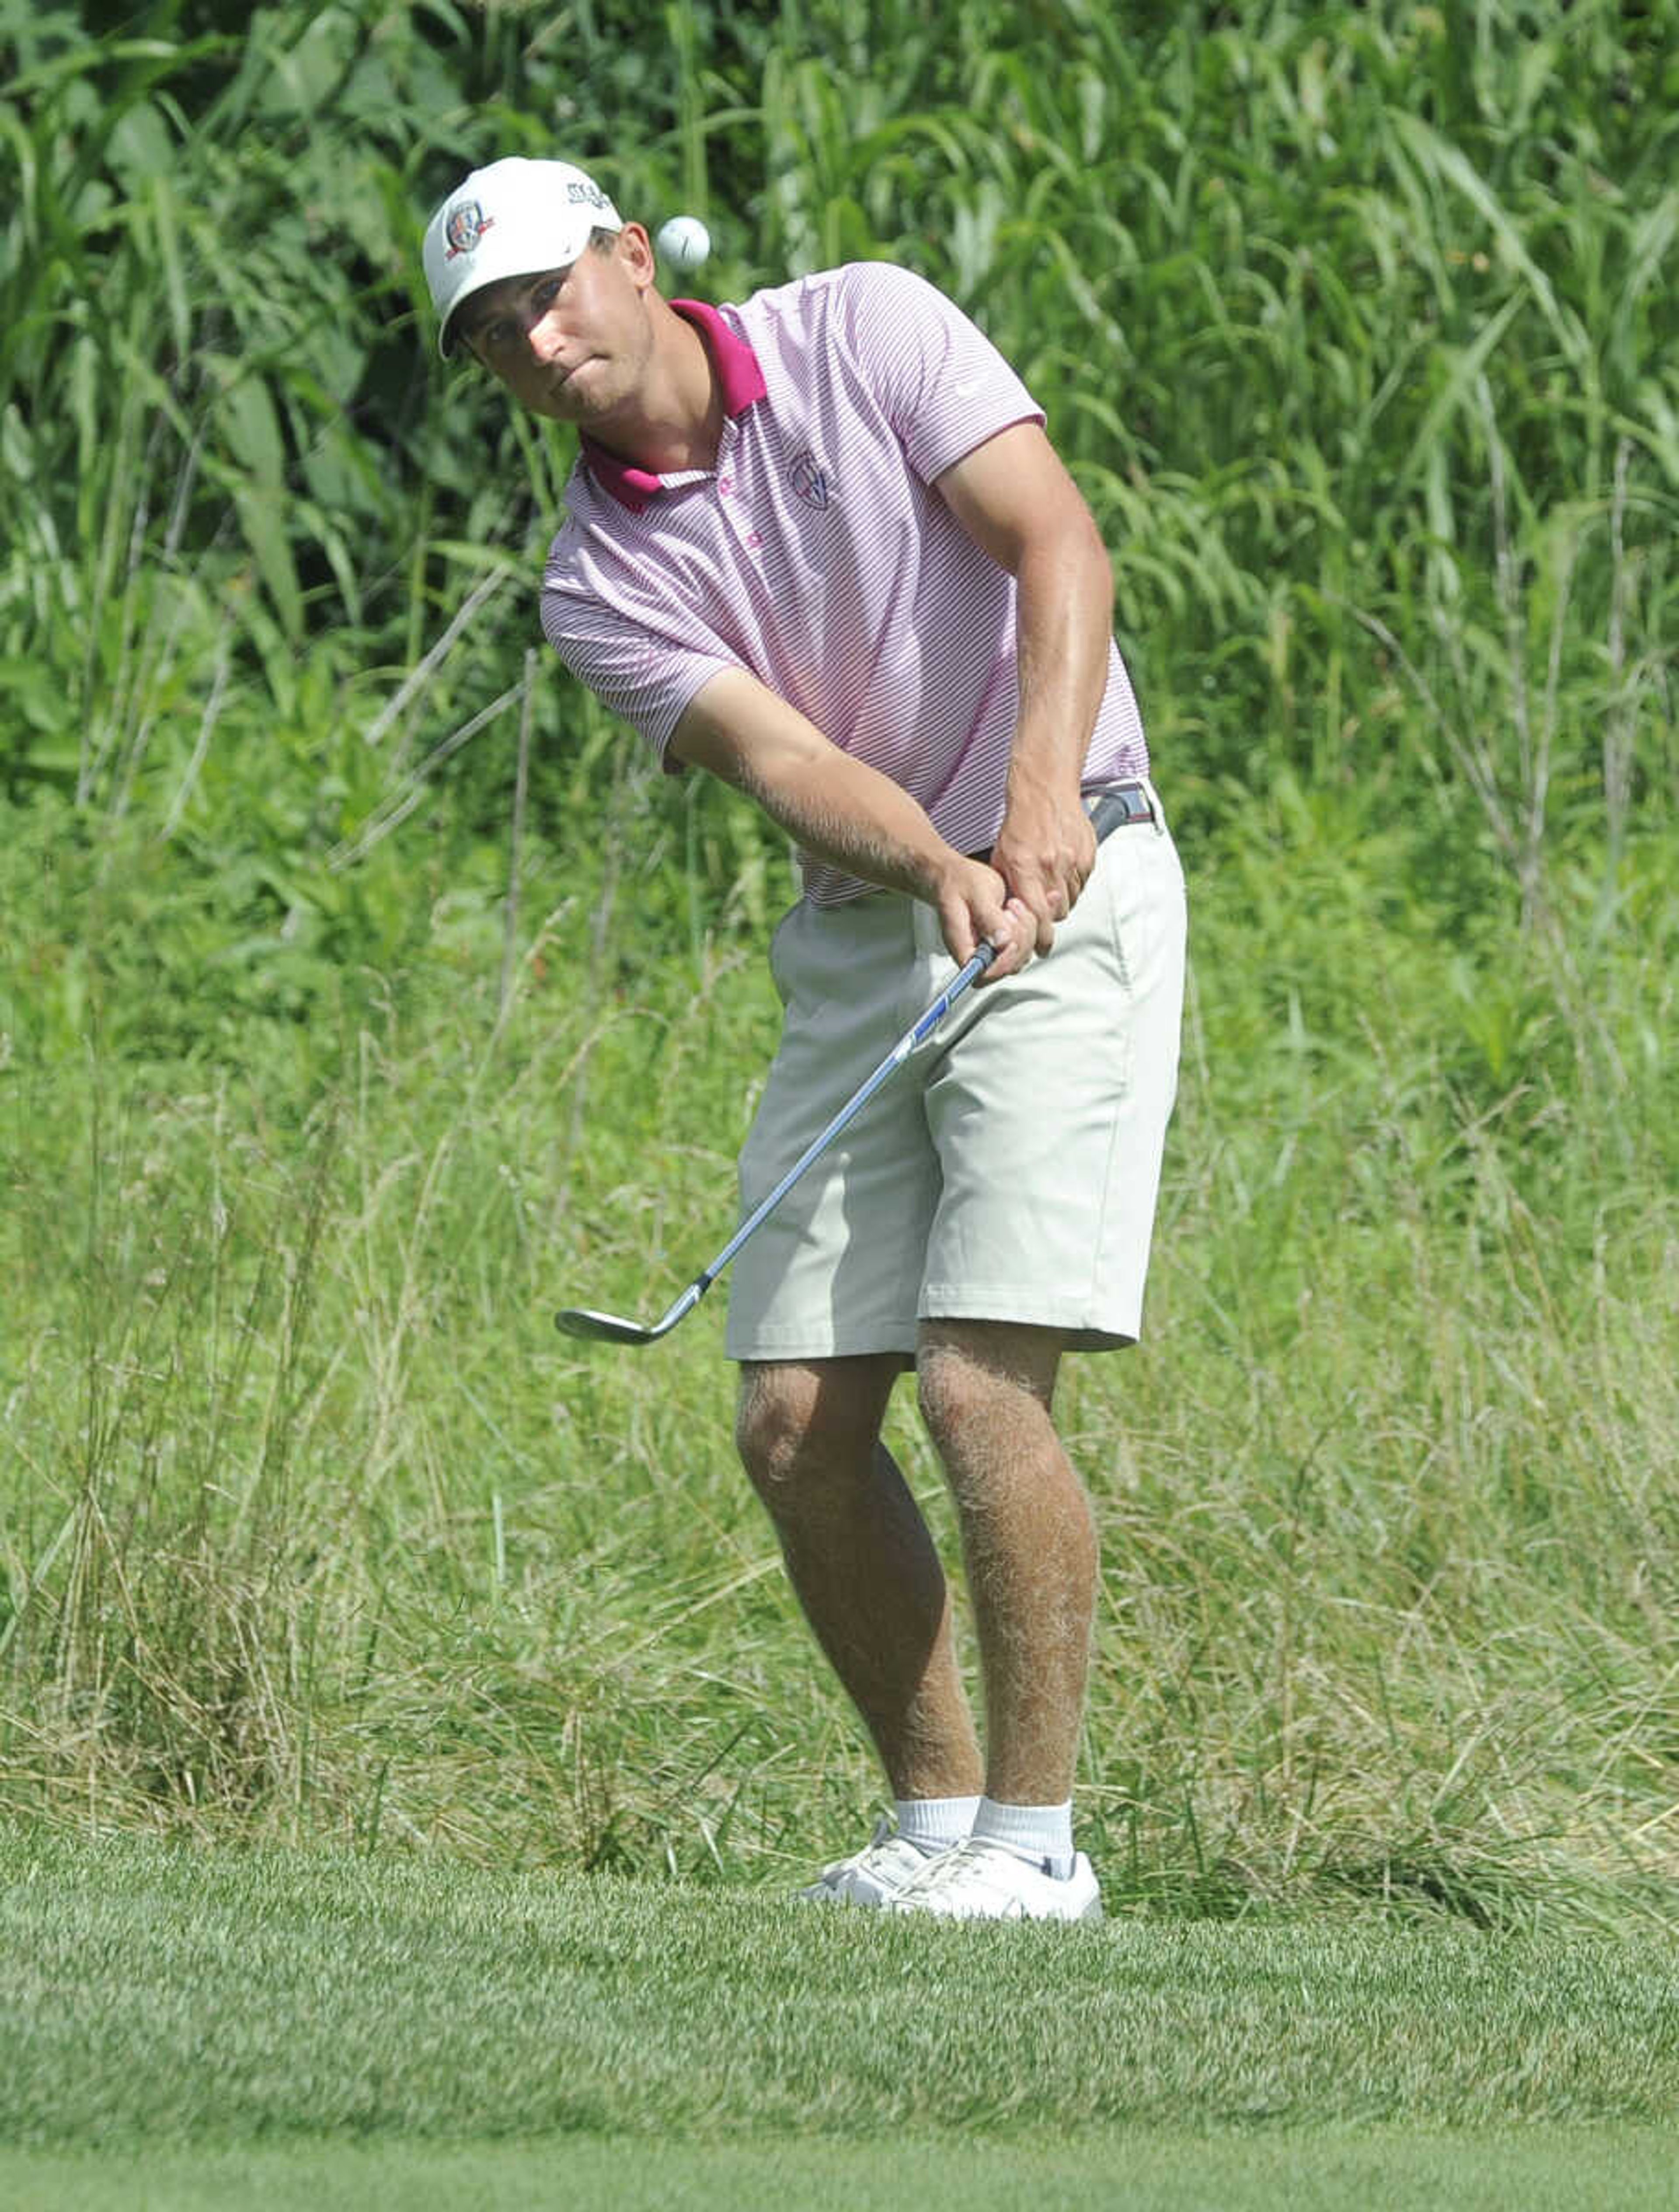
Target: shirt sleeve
[[633, 662], [943, 386]]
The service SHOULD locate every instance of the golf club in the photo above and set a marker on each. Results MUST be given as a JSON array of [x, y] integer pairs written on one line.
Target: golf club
[[612, 1329], [1125, 803]]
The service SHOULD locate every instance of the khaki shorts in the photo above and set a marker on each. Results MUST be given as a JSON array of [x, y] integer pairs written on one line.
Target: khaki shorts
[[1009, 1170]]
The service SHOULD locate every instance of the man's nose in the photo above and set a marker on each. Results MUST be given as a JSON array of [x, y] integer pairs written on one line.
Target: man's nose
[[542, 338]]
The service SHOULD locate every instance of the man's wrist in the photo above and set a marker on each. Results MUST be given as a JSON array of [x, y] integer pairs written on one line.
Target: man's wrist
[[1036, 786]]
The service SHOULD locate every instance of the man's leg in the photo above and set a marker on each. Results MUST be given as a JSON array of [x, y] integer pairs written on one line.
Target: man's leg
[[862, 1562], [1029, 1541]]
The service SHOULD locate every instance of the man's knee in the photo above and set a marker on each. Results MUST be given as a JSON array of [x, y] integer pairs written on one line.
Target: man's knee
[[977, 1379], [772, 1421], [809, 1421]]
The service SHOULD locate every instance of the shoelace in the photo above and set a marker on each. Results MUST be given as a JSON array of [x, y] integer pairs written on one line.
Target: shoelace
[[968, 1870], [866, 1861]]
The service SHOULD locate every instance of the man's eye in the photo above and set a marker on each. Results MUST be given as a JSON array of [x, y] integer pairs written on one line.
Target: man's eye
[[547, 294]]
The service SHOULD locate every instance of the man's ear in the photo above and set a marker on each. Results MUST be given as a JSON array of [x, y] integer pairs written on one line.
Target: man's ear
[[635, 249]]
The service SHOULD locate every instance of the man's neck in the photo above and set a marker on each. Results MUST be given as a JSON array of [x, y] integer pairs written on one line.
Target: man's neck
[[677, 423]]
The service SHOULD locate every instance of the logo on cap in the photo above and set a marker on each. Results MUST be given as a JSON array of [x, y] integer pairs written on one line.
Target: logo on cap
[[466, 225]]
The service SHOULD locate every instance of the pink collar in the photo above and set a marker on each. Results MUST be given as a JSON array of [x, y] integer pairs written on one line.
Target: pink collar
[[738, 374]]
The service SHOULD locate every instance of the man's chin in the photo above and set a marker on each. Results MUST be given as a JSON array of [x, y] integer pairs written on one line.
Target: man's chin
[[579, 398]]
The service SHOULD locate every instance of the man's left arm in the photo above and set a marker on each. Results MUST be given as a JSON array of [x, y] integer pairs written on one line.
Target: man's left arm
[[1014, 498]]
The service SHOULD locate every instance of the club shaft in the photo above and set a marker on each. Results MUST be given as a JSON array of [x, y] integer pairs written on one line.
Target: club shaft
[[915, 1034], [1123, 803]]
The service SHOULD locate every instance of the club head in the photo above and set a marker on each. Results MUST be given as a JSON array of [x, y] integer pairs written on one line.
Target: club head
[[602, 1328], [612, 1329]]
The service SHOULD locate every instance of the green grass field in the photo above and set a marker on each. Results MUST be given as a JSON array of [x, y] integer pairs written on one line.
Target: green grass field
[[1540, 2168], [337, 1050], [193, 2027], [430, 1684]]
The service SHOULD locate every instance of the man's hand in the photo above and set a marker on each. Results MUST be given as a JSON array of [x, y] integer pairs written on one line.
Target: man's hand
[[974, 903], [1043, 852]]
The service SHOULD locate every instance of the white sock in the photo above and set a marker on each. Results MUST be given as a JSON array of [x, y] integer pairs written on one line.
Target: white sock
[[1040, 1832], [933, 1824]]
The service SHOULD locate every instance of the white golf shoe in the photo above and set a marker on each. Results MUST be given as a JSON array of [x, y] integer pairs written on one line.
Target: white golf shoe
[[979, 1880], [874, 1875]]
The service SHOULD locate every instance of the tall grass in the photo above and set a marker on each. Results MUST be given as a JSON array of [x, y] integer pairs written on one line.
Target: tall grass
[[362, 998], [317, 1529]]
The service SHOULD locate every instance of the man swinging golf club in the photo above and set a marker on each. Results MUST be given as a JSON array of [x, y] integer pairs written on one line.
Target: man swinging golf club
[[819, 545]]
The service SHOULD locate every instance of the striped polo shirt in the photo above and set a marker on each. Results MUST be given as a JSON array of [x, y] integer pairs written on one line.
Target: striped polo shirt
[[817, 556]]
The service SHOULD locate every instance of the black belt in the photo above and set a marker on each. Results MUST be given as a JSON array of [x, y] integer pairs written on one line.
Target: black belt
[[1119, 803], [1111, 808]]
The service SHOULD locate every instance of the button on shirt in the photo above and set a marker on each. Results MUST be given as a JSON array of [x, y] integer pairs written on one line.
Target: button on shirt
[[817, 556]]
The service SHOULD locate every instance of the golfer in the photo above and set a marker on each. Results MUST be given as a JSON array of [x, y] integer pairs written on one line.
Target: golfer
[[818, 544]]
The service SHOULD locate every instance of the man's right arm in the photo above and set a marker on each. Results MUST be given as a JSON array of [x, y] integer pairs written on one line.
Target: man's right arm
[[842, 811]]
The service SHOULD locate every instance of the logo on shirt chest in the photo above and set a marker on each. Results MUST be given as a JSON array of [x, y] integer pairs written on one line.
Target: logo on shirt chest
[[810, 479]]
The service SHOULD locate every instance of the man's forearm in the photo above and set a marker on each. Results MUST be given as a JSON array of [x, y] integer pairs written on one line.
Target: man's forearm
[[836, 808], [1017, 500], [1064, 631], [841, 810]]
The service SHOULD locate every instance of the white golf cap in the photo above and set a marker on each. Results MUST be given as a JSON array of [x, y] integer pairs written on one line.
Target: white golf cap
[[512, 219]]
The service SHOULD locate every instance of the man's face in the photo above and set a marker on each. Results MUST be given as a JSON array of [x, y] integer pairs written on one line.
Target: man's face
[[571, 344]]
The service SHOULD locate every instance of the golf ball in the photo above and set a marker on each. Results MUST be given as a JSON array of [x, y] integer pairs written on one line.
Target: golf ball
[[684, 241]]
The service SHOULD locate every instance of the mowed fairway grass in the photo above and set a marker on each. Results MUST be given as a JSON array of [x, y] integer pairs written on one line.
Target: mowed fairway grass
[[193, 2028]]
